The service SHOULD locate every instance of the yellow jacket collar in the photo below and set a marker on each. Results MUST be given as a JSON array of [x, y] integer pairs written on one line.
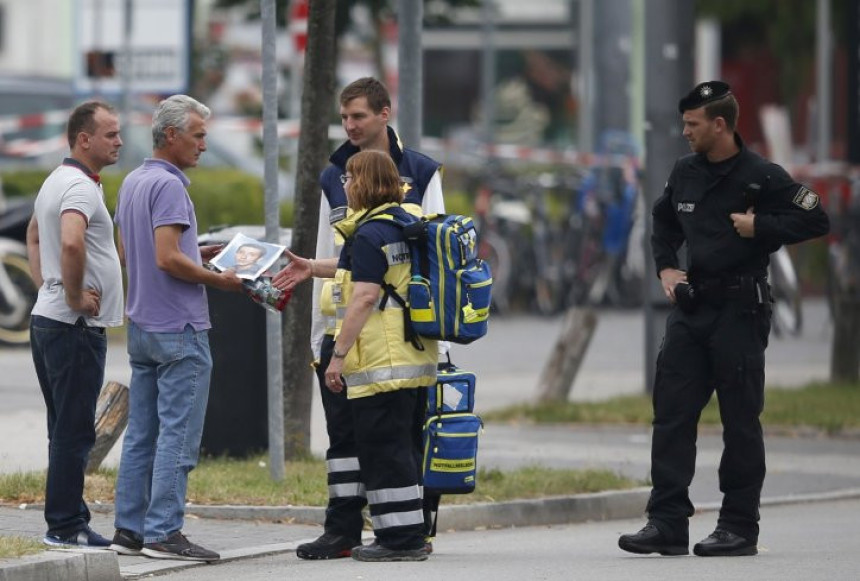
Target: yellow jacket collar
[[348, 225]]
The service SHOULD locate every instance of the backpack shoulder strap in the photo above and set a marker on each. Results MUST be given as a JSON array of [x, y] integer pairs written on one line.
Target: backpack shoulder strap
[[388, 290]]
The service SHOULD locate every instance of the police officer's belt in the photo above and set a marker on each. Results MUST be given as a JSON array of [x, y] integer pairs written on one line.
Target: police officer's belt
[[718, 290]]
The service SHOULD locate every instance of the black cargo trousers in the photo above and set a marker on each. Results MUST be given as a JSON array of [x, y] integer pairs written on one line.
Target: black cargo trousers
[[718, 347], [346, 490]]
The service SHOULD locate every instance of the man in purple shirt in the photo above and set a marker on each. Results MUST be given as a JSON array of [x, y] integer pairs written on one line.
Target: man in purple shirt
[[168, 341]]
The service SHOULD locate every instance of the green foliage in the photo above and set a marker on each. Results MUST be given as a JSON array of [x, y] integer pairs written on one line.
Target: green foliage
[[22, 487], [25, 182], [458, 202], [220, 196], [831, 408], [12, 547], [786, 26], [247, 482], [534, 481]]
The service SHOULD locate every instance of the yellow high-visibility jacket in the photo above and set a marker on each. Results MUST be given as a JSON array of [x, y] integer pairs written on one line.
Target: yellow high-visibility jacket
[[381, 359]]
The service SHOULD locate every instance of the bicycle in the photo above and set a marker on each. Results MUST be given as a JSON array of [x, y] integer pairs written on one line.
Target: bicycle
[[18, 290], [785, 290]]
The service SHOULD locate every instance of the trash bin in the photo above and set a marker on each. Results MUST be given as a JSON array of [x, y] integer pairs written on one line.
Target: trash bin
[[237, 414]]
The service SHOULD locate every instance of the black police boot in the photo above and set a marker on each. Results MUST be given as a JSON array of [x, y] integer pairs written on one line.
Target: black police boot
[[723, 543], [651, 540], [328, 546], [376, 553]]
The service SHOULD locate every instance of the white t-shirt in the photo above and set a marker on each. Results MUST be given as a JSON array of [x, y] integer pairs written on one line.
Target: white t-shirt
[[69, 188]]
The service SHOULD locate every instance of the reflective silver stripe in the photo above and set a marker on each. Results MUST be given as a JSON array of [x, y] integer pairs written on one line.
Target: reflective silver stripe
[[397, 253], [349, 489], [342, 465], [394, 494], [397, 519], [373, 376], [329, 321]]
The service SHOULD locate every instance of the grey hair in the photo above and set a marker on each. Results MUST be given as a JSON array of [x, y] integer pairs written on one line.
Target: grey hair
[[174, 112]]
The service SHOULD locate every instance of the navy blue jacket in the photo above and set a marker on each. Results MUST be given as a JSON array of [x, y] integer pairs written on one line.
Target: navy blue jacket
[[416, 171]]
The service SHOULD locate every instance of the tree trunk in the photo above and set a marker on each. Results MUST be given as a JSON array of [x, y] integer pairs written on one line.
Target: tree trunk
[[317, 103], [845, 350], [111, 420], [560, 371]]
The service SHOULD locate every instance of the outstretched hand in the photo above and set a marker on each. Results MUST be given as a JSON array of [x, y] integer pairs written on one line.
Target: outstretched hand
[[297, 270]]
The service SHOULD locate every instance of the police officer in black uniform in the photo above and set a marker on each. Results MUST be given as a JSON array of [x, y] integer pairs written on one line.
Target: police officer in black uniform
[[732, 208]]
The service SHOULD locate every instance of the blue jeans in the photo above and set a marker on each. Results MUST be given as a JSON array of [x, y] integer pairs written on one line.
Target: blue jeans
[[170, 375], [70, 365]]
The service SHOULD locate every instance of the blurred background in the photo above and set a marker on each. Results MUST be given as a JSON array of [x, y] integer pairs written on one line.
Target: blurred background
[[539, 111]]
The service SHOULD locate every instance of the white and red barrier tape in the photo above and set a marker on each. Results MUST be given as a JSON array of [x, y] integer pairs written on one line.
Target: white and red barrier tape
[[22, 147]]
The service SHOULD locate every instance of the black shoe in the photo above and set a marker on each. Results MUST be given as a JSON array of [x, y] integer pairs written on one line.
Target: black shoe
[[723, 543], [84, 539], [376, 553], [126, 542], [176, 546], [650, 540], [328, 546]]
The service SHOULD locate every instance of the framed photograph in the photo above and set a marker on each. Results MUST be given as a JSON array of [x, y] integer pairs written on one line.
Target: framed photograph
[[247, 257]]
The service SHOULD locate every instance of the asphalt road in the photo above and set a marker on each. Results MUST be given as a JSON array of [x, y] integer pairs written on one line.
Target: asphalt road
[[807, 542]]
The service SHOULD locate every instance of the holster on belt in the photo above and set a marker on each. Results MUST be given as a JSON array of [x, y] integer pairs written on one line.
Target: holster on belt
[[752, 292]]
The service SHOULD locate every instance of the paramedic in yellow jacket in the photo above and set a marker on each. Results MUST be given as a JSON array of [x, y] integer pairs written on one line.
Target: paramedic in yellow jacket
[[381, 372]]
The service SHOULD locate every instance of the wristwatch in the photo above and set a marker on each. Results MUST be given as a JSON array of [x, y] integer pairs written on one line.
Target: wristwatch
[[337, 355]]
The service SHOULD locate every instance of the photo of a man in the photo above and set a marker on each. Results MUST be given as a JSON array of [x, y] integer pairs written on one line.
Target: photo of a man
[[247, 257]]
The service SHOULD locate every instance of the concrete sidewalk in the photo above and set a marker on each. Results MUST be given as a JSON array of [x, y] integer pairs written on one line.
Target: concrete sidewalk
[[801, 469]]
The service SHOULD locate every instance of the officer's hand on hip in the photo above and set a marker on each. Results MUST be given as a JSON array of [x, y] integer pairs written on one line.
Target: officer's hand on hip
[[744, 223], [669, 277]]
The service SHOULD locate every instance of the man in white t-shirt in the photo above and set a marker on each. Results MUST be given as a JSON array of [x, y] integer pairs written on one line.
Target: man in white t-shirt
[[74, 262]]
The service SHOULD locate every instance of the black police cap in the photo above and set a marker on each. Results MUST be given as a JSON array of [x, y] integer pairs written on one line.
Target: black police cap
[[704, 93]]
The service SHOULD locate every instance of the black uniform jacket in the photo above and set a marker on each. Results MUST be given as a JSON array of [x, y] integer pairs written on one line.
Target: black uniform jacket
[[700, 196]]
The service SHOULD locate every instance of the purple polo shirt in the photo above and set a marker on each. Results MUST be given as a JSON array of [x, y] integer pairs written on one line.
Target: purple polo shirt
[[155, 195]]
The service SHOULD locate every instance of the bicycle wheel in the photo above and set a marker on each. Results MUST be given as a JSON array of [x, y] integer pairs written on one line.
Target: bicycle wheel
[[493, 249], [787, 311], [17, 296]]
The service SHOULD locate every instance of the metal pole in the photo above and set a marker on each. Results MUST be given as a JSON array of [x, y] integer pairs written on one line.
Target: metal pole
[[273, 320], [669, 43], [637, 76], [127, 73], [488, 73], [410, 67], [586, 76], [611, 38], [708, 49], [824, 76], [97, 47]]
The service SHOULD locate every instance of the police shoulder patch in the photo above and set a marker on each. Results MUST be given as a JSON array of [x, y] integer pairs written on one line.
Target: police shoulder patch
[[805, 198]]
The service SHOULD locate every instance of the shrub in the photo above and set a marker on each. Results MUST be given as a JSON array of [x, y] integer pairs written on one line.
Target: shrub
[[220, 196]]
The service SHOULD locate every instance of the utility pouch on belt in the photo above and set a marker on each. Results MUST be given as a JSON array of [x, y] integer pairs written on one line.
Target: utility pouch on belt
[[749, 292], [685, 297]]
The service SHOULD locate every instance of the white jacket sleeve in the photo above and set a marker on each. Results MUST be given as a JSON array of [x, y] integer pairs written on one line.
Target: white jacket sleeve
[[433, 202], [325, 249]]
